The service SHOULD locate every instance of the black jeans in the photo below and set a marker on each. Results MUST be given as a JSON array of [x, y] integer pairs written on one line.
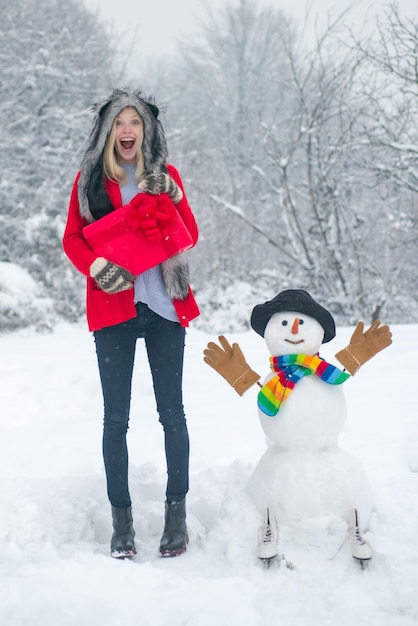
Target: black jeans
[[115, 348]]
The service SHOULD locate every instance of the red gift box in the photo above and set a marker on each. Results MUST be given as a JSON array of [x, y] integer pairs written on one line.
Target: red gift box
[[119, 236]]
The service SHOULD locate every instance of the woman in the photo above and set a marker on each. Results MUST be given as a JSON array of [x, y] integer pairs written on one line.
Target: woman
[[127, 155]]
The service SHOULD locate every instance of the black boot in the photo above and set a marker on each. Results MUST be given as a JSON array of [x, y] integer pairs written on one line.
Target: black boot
[[175, 538], [122, 545]]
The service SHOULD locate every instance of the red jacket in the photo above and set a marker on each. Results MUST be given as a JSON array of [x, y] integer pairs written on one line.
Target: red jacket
[[105, 309]]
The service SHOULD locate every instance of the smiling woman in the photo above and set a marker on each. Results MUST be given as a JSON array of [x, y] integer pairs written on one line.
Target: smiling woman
[[129, 133], [125, 162], [124, 145]]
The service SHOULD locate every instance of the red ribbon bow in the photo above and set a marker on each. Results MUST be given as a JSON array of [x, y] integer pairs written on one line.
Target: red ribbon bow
[[150, 215]]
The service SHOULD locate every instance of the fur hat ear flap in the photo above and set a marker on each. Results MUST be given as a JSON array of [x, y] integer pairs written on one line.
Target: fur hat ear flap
[[154, 109], [100, 108]]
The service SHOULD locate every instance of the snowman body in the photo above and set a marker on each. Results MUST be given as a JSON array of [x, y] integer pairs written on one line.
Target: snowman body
[[304, 474]]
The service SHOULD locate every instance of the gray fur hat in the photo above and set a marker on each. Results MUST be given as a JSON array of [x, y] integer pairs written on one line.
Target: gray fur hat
[[154, 145]]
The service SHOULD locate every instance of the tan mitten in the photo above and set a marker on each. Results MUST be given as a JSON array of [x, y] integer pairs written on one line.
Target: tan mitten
[[230, 363], [364, 345]]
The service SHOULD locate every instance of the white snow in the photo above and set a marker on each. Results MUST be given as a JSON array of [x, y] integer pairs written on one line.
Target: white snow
[[55, 520]]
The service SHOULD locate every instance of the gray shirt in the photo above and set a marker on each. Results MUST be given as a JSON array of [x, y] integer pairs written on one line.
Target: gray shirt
[[149, 286]]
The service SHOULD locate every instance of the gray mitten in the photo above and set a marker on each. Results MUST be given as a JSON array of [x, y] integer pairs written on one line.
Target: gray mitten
[[161, 183], [110, 277]]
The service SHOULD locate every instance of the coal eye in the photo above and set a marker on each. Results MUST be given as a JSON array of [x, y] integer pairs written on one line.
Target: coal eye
[[301, 322], [284, 323]]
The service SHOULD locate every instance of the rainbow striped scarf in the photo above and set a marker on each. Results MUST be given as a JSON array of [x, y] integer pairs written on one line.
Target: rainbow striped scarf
[[290, 369]]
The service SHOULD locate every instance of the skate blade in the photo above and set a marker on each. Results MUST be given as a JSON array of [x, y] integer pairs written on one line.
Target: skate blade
[[267, 562], [279, 559], [362, 562]]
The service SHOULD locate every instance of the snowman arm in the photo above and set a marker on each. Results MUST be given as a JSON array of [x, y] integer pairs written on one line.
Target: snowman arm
[[364, 345], [230, 363]]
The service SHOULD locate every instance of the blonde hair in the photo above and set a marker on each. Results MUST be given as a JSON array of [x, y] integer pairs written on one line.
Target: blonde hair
[[111, 168]]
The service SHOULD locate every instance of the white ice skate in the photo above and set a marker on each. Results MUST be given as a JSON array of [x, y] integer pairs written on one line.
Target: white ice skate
[[268, 537], [360, 549]]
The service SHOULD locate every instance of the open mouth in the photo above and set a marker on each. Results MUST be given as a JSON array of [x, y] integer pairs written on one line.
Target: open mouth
[[127, 144]]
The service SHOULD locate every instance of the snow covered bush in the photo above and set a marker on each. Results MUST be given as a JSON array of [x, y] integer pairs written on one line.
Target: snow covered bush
[[52, 71], [21, 301]]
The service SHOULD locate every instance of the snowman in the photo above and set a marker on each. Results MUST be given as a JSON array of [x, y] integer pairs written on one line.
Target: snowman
[[304, 475]]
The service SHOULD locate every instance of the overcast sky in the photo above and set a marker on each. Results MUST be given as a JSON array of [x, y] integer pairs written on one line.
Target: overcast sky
[[157, 24]]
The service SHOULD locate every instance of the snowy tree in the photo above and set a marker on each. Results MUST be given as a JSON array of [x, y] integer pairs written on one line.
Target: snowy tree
[[312, 167], [390, 135], [394, 132], [55, 61], [278, 142], [231, 85], [300, 164]]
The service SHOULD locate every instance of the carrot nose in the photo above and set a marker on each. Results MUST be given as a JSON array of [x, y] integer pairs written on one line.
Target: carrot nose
[[295, 326]]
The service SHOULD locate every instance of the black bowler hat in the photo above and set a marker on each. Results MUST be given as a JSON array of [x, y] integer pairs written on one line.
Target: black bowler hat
[[296, 300]]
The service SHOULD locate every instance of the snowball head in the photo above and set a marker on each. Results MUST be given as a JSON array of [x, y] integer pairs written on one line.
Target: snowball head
[[288, 332]]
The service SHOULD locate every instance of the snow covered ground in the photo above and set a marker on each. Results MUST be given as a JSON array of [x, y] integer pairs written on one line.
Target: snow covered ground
[[55, 519]]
